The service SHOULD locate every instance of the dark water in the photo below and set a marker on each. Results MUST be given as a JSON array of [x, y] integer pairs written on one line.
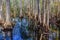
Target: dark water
[[20, 32]]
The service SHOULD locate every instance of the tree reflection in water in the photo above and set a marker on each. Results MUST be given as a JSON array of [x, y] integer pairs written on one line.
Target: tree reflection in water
[[20, 31], [52, 35], [1, 34]]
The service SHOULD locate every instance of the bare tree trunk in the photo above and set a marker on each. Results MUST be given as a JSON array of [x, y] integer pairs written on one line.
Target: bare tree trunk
[[34, 7], [1, 16], [48, 16], [39, 12], [7, 13], [29, 8], [48, 11], [44, 8], [20, 7], [0, 9], [15, 7], [58, 9], [41, 37], [7, 10], [33, 2]]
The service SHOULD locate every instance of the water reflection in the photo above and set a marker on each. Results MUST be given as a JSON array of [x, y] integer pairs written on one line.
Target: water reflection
[[52, 35]]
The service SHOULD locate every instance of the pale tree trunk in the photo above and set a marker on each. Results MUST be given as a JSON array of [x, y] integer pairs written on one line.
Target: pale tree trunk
[[29, 10], [51, 2], [15, 7], [0, 9], [58, 9], [35, 8], [39, 12], [44, 16], [53, 8], [41, 37], [26, 2], [7, 13], [32, 6], [48, 12], [20, 7], [1, 16], [7, 10]]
